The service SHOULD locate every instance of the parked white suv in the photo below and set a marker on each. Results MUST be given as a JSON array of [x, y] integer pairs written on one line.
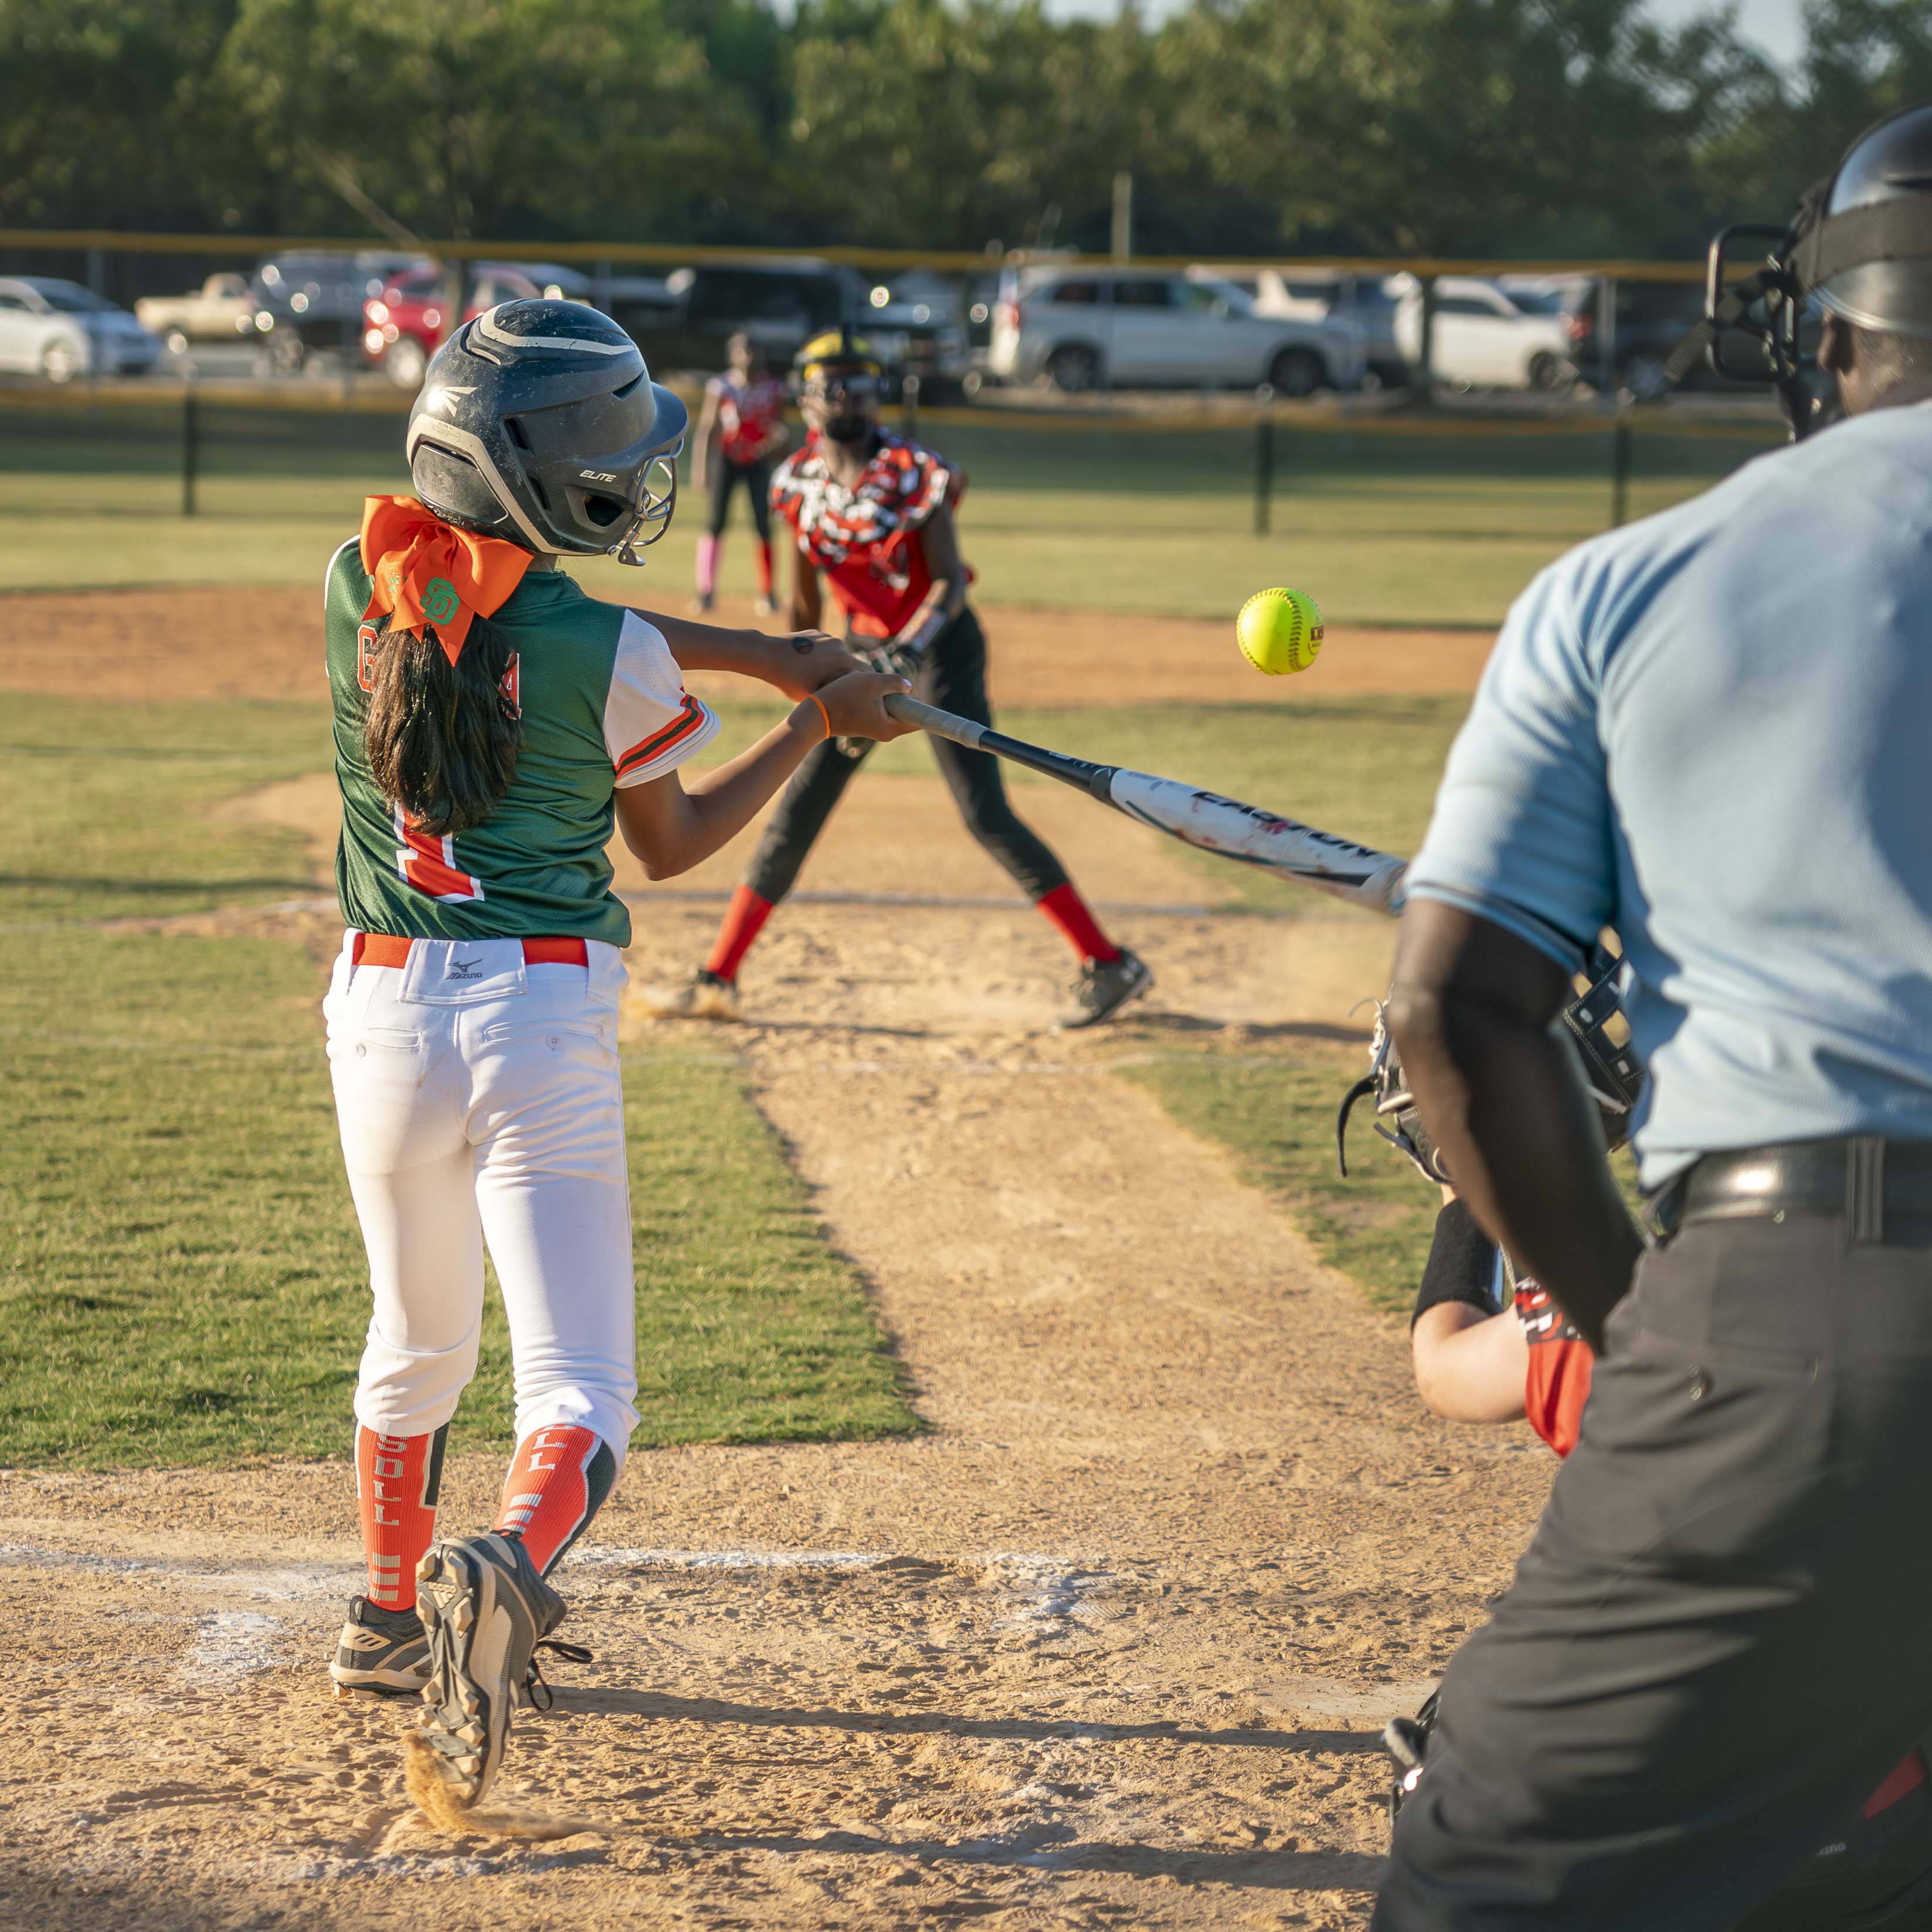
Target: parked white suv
[[59, 330], [1484, 340], [1080, 327], [1334, 294]]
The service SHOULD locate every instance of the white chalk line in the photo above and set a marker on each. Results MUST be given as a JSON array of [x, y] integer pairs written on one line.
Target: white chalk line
[[1049, 1586], [284, 1583]]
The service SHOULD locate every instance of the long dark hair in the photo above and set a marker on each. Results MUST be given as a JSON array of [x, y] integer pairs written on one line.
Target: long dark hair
[[442, 738]]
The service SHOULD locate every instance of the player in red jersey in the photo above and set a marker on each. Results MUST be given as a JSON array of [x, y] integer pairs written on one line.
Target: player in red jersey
[[740, 430], [873, 514]]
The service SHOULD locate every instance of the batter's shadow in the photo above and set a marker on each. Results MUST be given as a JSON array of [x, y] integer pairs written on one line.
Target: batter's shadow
[[666, 1707], [1048, 1849]]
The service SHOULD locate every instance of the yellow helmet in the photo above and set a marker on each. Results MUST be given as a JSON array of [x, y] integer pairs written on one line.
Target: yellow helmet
[[836, 349]]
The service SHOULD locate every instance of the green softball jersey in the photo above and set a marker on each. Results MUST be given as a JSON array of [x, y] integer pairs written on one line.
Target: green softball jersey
[[603, 705]]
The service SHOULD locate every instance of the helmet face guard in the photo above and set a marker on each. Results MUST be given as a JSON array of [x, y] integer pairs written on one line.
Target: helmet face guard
[[656, 504], [1860, 248]]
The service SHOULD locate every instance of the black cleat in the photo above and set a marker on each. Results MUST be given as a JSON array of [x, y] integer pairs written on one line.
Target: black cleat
[[1105, 986], [383, 1653]]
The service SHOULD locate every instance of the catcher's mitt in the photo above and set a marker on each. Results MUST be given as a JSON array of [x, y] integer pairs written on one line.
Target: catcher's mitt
[[1594, 1018]]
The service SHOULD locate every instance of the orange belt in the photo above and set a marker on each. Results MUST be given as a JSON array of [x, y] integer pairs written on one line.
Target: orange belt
[[378, 949]]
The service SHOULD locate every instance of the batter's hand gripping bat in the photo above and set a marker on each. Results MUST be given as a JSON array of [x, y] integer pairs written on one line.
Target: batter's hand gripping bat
[[1283, 846]]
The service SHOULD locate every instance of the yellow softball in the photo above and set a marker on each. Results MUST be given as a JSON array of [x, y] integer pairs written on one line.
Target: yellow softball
[[1279, 630]]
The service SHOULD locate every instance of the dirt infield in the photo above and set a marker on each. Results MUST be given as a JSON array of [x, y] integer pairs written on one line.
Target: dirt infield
[[266, 643], [1108, 1646]]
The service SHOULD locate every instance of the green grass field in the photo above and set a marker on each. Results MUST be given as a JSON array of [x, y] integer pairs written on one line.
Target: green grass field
[[180, 1270], [1434, 523], [171, 1193]]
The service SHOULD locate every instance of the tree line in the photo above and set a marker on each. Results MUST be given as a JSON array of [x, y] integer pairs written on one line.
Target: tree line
[[1505, 128]]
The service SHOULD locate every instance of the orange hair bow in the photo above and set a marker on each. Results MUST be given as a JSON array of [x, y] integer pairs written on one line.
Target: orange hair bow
[[424, 571]]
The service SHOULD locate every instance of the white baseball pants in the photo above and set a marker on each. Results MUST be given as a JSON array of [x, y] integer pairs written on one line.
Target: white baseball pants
[[478, 1098]]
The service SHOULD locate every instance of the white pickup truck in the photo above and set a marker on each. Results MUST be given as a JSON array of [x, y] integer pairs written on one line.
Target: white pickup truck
[[219, 309]]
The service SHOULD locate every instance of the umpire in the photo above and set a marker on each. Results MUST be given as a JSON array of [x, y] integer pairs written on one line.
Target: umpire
[[1711, 731]]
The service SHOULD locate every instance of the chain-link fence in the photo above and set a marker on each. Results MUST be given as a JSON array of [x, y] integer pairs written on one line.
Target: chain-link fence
[[1385, 517]]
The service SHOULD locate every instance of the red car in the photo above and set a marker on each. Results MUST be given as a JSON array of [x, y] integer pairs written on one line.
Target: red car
[[403, 325]]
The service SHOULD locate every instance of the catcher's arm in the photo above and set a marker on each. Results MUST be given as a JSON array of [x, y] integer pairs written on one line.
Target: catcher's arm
[[1470, 1361], [1472, 1013], [1470, 1367]]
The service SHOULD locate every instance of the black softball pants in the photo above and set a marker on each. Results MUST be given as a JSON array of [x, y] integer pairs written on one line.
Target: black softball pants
[[726, 476], [952, 675], [1716, 1644]]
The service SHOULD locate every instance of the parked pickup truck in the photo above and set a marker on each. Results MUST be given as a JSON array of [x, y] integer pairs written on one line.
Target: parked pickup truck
[[220, 308]]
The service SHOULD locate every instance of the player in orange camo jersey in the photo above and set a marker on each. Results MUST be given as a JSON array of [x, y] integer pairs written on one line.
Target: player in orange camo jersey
[[873, 514]]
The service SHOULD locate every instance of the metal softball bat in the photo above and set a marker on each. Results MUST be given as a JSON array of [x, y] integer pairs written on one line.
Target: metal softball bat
[[1202, 819]]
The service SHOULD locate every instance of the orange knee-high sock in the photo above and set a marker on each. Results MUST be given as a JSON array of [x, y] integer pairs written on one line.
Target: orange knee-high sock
[[744, 920], [397, 1479], [764, 568], [557, 1482], [1071, 913]]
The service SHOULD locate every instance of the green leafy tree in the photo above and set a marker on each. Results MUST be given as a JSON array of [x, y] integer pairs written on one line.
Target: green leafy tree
[[921, 124], [106, 117], [1448, 127], [494, 117]]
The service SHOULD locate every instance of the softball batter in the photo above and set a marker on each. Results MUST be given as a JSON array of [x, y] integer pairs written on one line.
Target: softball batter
[[873, 513], [491, 722]]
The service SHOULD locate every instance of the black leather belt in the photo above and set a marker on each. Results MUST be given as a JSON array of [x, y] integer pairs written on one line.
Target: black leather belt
[[1863, 1176]]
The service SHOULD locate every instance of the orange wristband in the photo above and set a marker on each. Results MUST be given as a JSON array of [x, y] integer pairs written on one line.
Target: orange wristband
[[822, 712]]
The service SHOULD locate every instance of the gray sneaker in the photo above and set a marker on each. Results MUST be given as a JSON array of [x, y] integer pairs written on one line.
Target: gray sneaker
[[486, 1611], [381, 1653], [1105, 987]]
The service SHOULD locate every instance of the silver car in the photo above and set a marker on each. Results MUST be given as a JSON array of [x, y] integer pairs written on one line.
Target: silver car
[[58, 330], [1080, 328]]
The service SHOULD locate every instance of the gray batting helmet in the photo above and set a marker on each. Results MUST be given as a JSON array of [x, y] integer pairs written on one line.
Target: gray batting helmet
[[538, 422]]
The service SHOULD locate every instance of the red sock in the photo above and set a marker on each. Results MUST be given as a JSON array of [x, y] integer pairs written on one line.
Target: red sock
[[764, 568], [397, 1478], [1068, 911], [556, 1483], [744, 920]]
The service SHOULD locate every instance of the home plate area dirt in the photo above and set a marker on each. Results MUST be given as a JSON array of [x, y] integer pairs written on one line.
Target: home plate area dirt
[[1109, 1645]]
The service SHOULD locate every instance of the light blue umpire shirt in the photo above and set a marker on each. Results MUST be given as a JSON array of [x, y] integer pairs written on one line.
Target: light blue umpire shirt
[[1712, 730]]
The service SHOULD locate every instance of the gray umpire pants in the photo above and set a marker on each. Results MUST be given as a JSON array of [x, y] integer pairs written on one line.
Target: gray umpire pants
[[1720, 1638]]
